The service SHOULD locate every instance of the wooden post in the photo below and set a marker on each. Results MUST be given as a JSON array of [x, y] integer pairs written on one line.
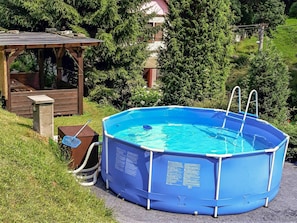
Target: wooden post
[[77, 55], [261, 36], [59, 56], [80, 82], [10, 57], [150, 78], [41, 69], [3, 75]]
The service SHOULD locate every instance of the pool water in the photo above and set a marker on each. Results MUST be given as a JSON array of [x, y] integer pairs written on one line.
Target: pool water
[[192, 138]]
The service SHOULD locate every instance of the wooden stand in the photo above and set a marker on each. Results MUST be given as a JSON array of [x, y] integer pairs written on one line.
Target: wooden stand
[[77, 155]]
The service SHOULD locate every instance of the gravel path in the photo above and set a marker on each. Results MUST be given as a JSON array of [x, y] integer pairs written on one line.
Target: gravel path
[[283, 209]]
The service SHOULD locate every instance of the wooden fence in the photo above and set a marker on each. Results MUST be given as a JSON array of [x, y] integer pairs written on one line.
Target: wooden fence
[[66, 101]]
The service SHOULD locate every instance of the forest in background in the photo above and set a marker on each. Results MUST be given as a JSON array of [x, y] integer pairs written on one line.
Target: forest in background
[[200, 62]]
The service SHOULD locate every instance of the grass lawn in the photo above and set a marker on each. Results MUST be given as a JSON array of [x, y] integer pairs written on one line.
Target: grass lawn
[[285, 39], [92, 111], [35, 185]]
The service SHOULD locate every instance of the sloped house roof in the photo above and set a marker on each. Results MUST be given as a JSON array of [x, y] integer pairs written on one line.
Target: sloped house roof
[[160, 7]]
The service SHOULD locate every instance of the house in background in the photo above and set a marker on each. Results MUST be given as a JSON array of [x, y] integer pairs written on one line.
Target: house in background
[[160, 8]]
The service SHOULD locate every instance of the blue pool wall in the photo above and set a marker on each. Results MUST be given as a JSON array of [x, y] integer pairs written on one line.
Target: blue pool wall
[[188, 183]]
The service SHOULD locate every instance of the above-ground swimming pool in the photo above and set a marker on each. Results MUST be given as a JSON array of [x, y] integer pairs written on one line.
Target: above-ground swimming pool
[[192, 160]]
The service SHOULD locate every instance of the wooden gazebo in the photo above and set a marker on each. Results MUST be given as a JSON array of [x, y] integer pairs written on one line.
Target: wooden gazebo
[[15, 88]]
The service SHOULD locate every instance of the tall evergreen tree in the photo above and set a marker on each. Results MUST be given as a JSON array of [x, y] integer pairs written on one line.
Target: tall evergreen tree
[[27, 15], [271, 12], [195, 59], [118, 66], [269, 75]]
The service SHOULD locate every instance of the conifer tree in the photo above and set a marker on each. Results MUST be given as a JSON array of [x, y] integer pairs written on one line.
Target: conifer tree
[[195, 59], [27, 15], [271, 12], [269, 75], [118, 66]]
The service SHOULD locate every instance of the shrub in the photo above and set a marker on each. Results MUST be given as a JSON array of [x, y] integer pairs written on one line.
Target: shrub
[[212, 103], [269, 75], [26, 62], [103, 95], [291, 130], [145, 97], [293, 10], [241, 61]]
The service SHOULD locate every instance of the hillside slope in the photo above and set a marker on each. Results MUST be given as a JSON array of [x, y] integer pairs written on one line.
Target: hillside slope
[[34, 183]]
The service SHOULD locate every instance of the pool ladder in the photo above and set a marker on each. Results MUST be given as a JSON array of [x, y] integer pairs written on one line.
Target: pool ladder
[[245, 113]]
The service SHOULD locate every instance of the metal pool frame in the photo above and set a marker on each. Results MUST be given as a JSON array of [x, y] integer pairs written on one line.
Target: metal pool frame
[[117, 180]]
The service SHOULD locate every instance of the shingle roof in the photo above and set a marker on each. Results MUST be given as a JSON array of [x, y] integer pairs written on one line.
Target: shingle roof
[[43, 40]]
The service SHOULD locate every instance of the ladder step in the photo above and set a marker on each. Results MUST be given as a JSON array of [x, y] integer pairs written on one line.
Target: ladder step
[[232, 117], [249, 114]]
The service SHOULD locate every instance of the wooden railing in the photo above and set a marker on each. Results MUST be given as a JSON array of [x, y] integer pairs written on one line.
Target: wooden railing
[[66, 101]]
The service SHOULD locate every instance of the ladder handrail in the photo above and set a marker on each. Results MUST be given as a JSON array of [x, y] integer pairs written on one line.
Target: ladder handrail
[[247, 107], [230, 102], [231, 98], [239, 106]]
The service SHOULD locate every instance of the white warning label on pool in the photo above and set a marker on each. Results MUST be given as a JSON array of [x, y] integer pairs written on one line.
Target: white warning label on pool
[[183, 174], [126, 161]]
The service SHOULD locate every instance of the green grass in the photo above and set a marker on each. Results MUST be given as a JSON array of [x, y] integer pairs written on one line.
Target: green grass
[[92, 111], [34, 183], [285, 39], [247, 46]]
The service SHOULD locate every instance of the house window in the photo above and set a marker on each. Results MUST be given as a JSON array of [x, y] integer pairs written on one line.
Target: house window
[[159, 35]]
